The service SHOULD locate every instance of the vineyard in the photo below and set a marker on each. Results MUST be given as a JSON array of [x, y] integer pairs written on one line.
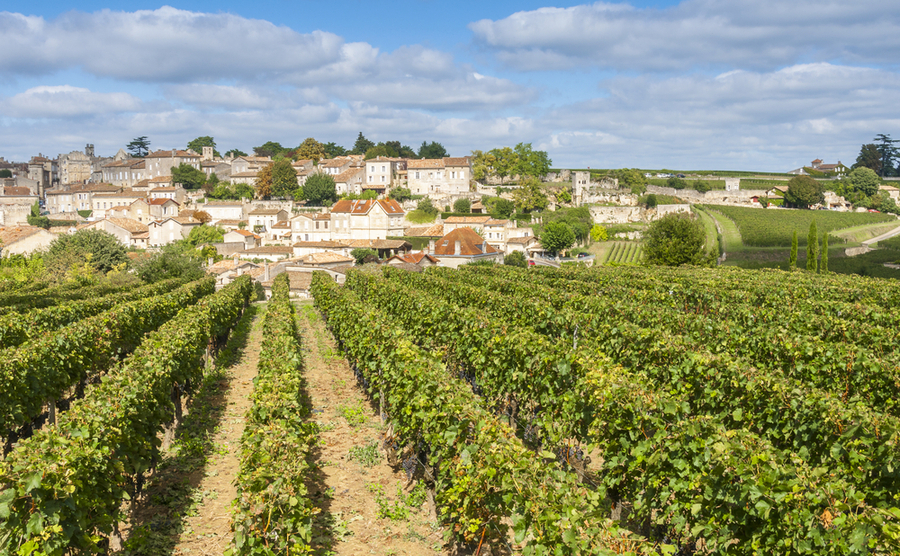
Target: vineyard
[[624, 252], [638, 410]]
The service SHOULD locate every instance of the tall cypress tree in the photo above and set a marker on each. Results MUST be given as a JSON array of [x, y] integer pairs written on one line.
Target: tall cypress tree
[[793, 262], [823, 267], [812, 248]]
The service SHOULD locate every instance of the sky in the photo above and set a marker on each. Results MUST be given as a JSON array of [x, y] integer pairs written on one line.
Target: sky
[[763, 85]]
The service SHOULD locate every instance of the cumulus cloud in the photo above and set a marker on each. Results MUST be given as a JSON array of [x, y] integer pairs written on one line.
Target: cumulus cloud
[[748, 34], [66, 101]]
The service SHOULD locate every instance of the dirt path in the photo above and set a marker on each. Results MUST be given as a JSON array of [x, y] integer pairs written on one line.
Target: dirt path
[[352, 481], [186, 506]]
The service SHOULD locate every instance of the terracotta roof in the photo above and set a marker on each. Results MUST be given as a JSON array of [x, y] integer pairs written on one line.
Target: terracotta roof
[[129, 224], [248, 174], [183, 220], [168, 154], [245, 233], [348, 175], [127, 163], [414, 258], [334, 162], [496, 222], [299, 281], [157, 202], [265, 212], [13, 234], [379, 243], [15, 191], [326, 244], [35, 159], [228, 264], [456, 161], [282, 224], [468, 220], [390, 206], [470, 244], [425, 163], [437, 230], [324, 257], [523, 240], [143, 183], [155, 189], [270, 250], [161, 179]]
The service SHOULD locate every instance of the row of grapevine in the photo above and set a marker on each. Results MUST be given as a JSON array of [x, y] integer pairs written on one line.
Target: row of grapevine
[[43, 370], [565, 393], [273, 514], [62, 489], [16, 328], [22, 301], [485, 478]]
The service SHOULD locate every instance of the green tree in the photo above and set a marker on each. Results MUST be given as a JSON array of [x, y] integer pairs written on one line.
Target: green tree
[[579, 219], [139, 147], [500, 208], [101, 249], [202, 235], [651, 201], [332, 150], [378, 150], [869, 157], [5, 173], [803, 192], [812, 248], [269, 148], [425, 205], [674, 240], [557, 236], [432, 150], [462, 205], [264, 182], [320, 190], [529, 162], [235, 153], [702, 186], [888, 153], [516, 258], [362, 145], [823, 266], [792, 263], [530, 196], [676, 183], [170, 262], [630, 178], [206, 141], [599, 233], [310, 149], [35, 218], [482, 165], [284, 179], [188, 176], [864, 180], [400, 194], [505, 162], [361, 254]]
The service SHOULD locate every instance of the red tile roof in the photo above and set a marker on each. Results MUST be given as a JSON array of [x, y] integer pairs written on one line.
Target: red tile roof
[[389, 206], [470, 244]]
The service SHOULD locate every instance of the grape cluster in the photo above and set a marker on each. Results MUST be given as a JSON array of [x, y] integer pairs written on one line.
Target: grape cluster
[[410, 463], [570, 454]]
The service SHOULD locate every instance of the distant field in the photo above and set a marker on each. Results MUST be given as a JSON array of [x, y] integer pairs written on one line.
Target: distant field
[[625, 252], [774, 228]]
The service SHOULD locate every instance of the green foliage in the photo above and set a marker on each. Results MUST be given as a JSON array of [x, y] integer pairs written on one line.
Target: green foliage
[[235, 153], [426, 206], [400, 194], [201, 235], [631, 178], [564, 196], [676, 183], [888, 153], [863, 180], [599, 233], [462, 205], [557, 236], [499, 208], [284, 179], [362, 145], [271, 149], [227, 192], [516, 258], [5, 173], [367, 455], [35, 218], [803, 192], [823, 264], [792, 263], [188, 176], [530, 196], [100, 249], [812, 248], [651, 201], [432, 150], [773, 228], [320, 190], [170, 262], [702, 186], [578, 219], [360, 254], [529, 162], [310, 149], [675, 239], [206, 141], [139, 147], [332, 150]]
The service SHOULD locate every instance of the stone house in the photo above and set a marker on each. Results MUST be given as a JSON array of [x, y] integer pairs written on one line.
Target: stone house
[[24, 240], [383, 171], [326, 259], [161, 163], [124, 173], [176, 193], [335, 166], [350, 181], [448, 176], [163, 208], [76, 197], [463, 246], [75, 167], [268, 252], [420, 258], [370, 219], [311, 226], [171, 229], [262, 220], [226, 211], [303, 248], [474, 222], [129, 232], [103, 201], [247, 238], [43, 171]]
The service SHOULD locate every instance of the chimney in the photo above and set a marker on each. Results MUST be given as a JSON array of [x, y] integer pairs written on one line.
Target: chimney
[[173, 153], [266, 275], [456, 247], [431, 247], [236, 259], [209, 262]]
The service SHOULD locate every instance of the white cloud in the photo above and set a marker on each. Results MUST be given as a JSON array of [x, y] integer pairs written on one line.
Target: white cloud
[[65, 102], [749, 34]]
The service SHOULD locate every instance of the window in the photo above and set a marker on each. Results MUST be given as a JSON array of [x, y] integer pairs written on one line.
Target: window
[[370, 179], [326, 225], [382, 169], [417, 175]]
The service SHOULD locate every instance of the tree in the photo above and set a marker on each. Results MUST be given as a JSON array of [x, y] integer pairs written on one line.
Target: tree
[[264, 182], [792, 263], [204, 234], [310, 149], [516, 258], [206, 141], [578, 219], [812, 248], [482, 165], [888, 152], [823, 266], [170, 262], [432, 150], [869, 157], [501, 208], [651, 201], [599, 233], [530, 196], [269, 148], [462, 205], [284, 179], [378, 150], [702, 186], [864, 180], [139, 147], [425, 205], [101, 249], [35, 218], [332, 150], [400, 194], [362, 145], [803, 192], [529, 162], [235, 153], [320, 189], [5, 173], [674, 240], [363, 255], [188, 176], [557, 236], [676, 183]]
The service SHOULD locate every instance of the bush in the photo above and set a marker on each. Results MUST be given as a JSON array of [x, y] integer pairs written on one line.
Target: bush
[[100, 249], [516, 258], [674, 240], [427, 207], [462, 205], [651, 201], [364, 255], [599, 233]]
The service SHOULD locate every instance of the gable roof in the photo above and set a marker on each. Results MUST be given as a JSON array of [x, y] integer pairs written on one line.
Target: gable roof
[[414, 258], [351, 206], [348, 175], [128, 224], [436, 230], [425, 163], [456, 161], [470, 244], [171, 153], [13, 234], [468, 220]]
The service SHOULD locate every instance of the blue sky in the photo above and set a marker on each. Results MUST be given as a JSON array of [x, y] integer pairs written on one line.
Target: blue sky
[[699, 84]]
